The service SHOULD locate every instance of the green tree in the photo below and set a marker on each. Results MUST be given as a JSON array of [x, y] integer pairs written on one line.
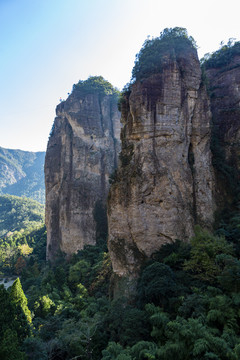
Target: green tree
[[18, 298], [150, 60], [157, 284], [13, 328], [9, 346], [44, 306], [95, 84], [35, 349], [190, 339], [203, 256]]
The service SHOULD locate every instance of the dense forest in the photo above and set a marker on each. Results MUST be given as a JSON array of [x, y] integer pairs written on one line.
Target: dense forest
[[186, 307], [186, 304], [21, 225]]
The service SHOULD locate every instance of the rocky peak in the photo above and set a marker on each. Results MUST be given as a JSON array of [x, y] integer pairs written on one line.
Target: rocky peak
[[82, 152], [164, 183]]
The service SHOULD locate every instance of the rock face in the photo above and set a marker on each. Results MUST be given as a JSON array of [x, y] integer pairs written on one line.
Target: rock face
[[81, 154], [224, 87], [164, 184]]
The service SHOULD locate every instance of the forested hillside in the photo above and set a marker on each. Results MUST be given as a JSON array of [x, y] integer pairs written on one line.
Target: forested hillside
[[22, 233], [18, 214], [22, 173]]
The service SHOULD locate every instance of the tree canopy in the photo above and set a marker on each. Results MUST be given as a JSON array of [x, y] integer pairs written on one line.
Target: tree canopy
[[223, 56], [150, 58], [18, 213], [95, 84]]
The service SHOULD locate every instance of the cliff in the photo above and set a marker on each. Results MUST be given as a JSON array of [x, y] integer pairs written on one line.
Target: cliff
[[222, 71], [164, 183], [81, 154]]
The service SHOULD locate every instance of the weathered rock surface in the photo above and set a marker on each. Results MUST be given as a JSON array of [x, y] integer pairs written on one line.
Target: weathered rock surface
[[81, 154], [224, 87], [164, 184]]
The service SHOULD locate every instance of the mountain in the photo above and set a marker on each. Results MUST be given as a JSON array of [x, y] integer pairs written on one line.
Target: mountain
[[22, 173], [179, 161], [18, 214], [81, 155], [164, 183]]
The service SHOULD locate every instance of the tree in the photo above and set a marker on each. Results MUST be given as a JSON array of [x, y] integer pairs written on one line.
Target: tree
[[20, 265], [157, 284], [150, 59], [18, 298], [13, 328], [44, 306], [9, 346], [203, 256], [190, 339]]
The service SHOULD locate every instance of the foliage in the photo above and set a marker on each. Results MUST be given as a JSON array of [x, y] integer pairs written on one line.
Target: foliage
[[183, 339], [18, 298], [177, 316], [204, 255], [151, 58], [95, 84], [157, 284], [22, 248], [223, 56], [187, 304], [14, 328], [17, 214]]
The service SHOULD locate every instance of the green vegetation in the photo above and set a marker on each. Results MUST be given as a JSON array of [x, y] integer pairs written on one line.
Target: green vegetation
[[19, 299], [152, 56], [21, 248], [22, 234], [95, 84], [22, 173], [18, 214], [187, 303], [14, 326], [172, 42], [223, 56]]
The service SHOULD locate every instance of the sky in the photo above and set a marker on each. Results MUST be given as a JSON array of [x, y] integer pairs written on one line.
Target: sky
[[46, 46]]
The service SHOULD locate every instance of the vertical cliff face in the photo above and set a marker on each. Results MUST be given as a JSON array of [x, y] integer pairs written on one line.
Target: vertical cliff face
[[164, 184], [81, 154], [223, 76]]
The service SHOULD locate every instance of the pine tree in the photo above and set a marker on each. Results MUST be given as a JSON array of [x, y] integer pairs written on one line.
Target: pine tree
[[13, 329], [18, 298]]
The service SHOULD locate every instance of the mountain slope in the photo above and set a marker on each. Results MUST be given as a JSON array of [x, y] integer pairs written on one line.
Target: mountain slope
[[18, 213], [22, 173]]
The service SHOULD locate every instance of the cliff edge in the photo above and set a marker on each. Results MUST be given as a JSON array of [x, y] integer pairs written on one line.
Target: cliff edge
[[82, 152]]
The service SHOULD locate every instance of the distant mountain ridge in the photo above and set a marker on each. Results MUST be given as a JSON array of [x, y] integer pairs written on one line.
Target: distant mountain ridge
[[22, 173]]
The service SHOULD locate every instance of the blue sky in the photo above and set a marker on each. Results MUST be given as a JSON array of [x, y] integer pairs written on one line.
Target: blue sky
[[48, 45]]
